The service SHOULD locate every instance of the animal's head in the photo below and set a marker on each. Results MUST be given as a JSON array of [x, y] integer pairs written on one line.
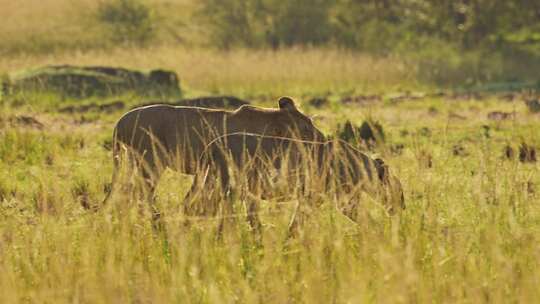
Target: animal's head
[[290, 122], [286, 121]]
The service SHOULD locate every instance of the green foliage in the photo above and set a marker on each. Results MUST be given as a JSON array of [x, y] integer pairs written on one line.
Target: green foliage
[[130, 21], [447, 42], [274, 23], [379, 27]]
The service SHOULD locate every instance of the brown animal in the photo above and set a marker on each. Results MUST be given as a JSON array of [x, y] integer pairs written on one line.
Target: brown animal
[[263, 164], [159, 136]]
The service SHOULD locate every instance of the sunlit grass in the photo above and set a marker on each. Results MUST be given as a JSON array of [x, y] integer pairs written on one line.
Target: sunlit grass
[[469, 233], [247, 73]]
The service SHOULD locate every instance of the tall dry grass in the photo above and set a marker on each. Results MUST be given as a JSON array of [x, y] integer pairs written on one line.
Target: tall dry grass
[[44, 27], [244, 72], [66, 32], [469, 233]]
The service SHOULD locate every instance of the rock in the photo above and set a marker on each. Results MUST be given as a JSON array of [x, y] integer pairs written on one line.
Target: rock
[[108, 108], [318, 102], [459, 150], [498, 115], [407, 96], [26, 121], [361, 99], [508, 152], [533, 105], [347, 133], [369, 133], [88, 81], [527, 154]]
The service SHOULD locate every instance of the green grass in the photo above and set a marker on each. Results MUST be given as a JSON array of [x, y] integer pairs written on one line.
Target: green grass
[[470, 232]]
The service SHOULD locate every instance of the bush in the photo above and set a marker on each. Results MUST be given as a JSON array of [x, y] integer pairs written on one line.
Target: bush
[[130, 21], [274, 23], [444, 41]]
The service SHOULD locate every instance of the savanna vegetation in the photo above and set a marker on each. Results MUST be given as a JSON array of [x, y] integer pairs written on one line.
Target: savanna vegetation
[[451, 83]]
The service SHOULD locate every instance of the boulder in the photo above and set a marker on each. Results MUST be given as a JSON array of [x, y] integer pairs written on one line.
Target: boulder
[[88, 81]]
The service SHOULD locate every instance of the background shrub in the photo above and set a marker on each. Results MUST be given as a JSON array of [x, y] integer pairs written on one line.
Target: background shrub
[[130, 21]]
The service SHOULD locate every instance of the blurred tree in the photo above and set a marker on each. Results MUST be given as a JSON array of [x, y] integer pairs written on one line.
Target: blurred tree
[[260, 23], [130, 21], [372, 25]]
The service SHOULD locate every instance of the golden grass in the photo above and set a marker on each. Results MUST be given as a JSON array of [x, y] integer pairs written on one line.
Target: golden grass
[[67, 32], [469, 234], [243, 72], [43, 26]]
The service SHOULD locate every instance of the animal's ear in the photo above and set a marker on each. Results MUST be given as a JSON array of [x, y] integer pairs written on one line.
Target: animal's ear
[[286, 103]]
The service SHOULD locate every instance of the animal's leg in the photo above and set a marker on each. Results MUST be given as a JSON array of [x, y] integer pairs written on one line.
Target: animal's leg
[[225, 202], [226, 217], [147, 187], [195, 196], [303, 208], [146, 193], [150, 173], [252, 191], [117, 150], [116, 168], [297, 220], [224, 197], [350, 210], [348, 198], [395, 196]]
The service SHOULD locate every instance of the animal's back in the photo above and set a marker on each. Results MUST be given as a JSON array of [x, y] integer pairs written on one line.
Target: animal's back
[[157, 116], [169, 130]]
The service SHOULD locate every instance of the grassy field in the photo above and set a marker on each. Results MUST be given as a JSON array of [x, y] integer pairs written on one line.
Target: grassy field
[[470, 233], [247, 73]]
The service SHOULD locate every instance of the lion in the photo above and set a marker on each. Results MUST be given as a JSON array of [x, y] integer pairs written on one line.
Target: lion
[[158, 136], [261, 164]]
